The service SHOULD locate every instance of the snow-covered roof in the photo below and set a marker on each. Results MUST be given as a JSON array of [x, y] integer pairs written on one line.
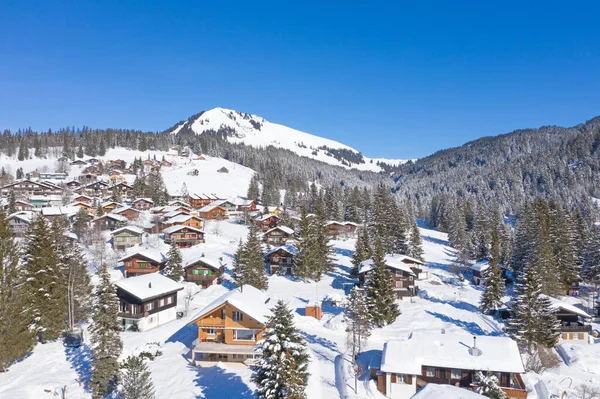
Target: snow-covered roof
[[26, 216], [149, 200], [180, 218], [392, 261], [114, 216], [83, 196], [265, 217], [169, 215], [558, 304], [60, 210], [209, 207], [221, 202], [173, 229], [290, 249], [214, 263], [285, 229], [123, 209], [147, 252], [247, 299], [437, 391], [498, 354], [351, 224], [107, 203], [148, 286], [71, 235], [483, 265], [179, 203], [133, 229]]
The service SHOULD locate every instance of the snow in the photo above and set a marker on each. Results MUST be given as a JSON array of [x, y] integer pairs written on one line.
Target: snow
[[290, 249], [145, 251], [133, 229], [558, 304], [393, 261], [437, 391], [60, 210], [247, 299], [209, 207], [176, 228], [303, 144], [214, 263], [450, 351], [148, 286], [285, 229]]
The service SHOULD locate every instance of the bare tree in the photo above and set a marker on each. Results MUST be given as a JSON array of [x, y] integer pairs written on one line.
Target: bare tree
[[585, 391]]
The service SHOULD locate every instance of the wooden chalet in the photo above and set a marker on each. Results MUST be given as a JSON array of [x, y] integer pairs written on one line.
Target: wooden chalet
[[124, 189], [110, 221], [198, 201], [109, 206], [266, 222], [142, 204], [403, 277], [230, 326], [126, 237], [180, 203], [479, 270], [405, 366], [78, 162], [204, 271], [23, 189], [213, 212], [185, 220], [147, 301], [127, 211], [278, 235], [22, 205], [85, 206], [225, 204], [247, 206], [73, 184], [575, 324], [184, 236], [95, 189], [86, 199], [143, 260], [223, 170], [280, 260], [20, 222], [87, 178]]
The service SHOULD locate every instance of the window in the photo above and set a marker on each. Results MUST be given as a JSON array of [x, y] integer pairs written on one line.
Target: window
[[244, 335], [169, 300], [455, 374], [143, 265], [161, 303], [402, 379], [237, 316], [149, 307], [211, 331], [430, 372], [223, 313]]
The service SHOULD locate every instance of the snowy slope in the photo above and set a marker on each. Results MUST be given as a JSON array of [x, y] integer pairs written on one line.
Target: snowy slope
[[256, 131]]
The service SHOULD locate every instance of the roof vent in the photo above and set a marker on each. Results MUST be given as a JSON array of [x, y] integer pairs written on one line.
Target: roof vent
[[475, 351], [443, 331], [149, 285]]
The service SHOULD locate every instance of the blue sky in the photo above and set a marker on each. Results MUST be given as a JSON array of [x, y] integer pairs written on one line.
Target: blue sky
[[397, 81]]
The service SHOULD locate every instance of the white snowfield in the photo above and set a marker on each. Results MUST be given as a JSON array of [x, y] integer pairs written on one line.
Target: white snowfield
[[437, 391], [256, 131]]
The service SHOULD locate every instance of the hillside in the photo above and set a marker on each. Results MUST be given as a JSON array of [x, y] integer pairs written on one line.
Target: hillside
[[255, 131]]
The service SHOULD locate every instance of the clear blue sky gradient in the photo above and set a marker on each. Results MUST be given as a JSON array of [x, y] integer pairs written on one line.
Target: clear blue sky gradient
[[390, 79]]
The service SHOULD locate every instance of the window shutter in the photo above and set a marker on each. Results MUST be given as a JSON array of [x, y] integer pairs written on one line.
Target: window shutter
[[393, 378], [409, 379]]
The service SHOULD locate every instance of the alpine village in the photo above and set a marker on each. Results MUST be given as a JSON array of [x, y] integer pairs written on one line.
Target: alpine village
[[182, 265]]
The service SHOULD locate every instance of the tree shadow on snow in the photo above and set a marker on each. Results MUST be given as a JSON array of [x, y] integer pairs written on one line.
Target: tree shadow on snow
[[435, 240], [469, 326], [185, 335], [325, 343], [455, 304], [217, 383], [81, 361], [344, 252]]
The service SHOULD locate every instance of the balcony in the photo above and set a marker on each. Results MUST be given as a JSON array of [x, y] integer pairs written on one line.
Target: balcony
[[575, 327], [127, 315]]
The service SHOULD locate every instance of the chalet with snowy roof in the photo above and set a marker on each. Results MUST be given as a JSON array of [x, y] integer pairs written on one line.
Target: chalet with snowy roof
[[230, 326], [109, 206], [26, 188], [213, 212], [86, 199], [280, 260], [22, 205], [124, 189], [226, 204], [180, 203], [86, 178], [110, 221], [53, 176], [266, 222], [164, 210], [574, 322], [85, 206], [198, 201], [223, 170], [278, 235], [20, 221], [183, 236], [479, 270], [73, 184], [185, 220], [147, 301], [407, 365], [246, 205], [204, 271], [53, 212], [143, 260], [127, 211], [341, 230], [44, 200], [142, 204], [126, 237], [78, 162], [403, 277], [437, 391], [95, 189]]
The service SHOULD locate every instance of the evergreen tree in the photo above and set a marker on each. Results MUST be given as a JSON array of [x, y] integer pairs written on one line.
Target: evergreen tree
[[481, 237], [489, 386], [362, 251], [80, 152], [173, 267], [303, 259], [106, 341], [591, 259], [23, 151], [415, 243], [15, 338], [253, 190], [239, 265], [381, 297], [136, 380], [533, 320], [250, 263], [491, 299], [281, 371], [358, 325], [43, 285], [322, 251], [12, 203], [80, 225]]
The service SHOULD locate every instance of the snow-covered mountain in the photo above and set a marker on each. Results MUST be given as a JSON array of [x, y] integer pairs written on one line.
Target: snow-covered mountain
[[256, 131]]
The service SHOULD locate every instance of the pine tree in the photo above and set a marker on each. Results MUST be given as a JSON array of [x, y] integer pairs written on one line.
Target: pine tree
[[80, 225], [106, 341], [12, 203], [253, 190], [15, 338], [358, 325], [415, 243], [489, 386], [362, 251], [303, 259], [136, 380], [173, 267], [481, 237], [381, 298], [491, 299], [322, 250], [533, 320], [239, 265], [281, 371], [44, 283], [79, 152], [250, 263]]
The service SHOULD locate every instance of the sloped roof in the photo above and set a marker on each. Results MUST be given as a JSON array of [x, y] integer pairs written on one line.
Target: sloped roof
[[181, 218], [499, 354], [437, 391], [148, 286], [147, 252], [558, 304], [209, 207], [247, 299], [123, 209], [60, 210], [392, 261], [211, 262], [290, 249], [178, 227], [114, 216], [285, 229], [133, 229]]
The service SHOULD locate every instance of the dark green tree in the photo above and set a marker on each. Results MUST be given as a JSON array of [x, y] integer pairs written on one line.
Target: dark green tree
[[136, 379], [381, 297], [174, 265]]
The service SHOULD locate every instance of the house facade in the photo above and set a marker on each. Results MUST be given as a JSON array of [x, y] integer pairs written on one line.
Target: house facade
[[213, 212], [266, 222], [280, 260], [405, 366], [403, 277], [204, 271], [126, 237], [110, 221], [142, 204], [198, 201], [278, 235], [143, 261], [184, 236], [230, 326], [147, 301]]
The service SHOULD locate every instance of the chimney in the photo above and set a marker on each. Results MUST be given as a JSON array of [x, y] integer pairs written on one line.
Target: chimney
[[474, 342], [149, 285], [475, 351]]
